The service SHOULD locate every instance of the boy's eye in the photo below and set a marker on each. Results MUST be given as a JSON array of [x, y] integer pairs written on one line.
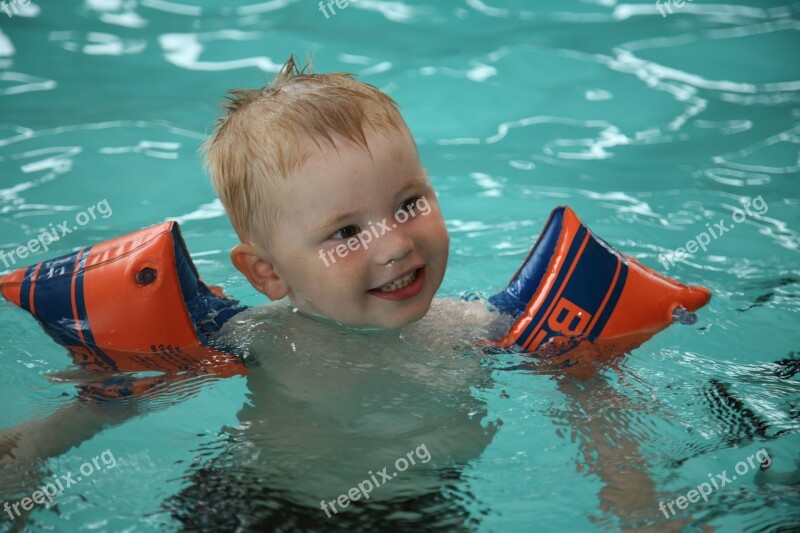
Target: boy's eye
[[345, 232], [410, 204]]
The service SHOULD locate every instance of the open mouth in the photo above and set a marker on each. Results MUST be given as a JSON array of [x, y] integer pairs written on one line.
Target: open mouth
[[399, 283], [403, 287]]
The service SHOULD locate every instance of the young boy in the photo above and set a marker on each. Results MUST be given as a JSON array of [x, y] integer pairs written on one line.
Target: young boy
[[322, 182]]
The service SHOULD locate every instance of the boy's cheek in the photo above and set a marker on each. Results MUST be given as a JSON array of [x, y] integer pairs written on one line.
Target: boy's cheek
[[440, 229], [340, 254], [435, 234], [340, 272]]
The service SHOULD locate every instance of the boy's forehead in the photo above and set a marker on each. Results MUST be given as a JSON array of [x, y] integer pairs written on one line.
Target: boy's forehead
[[346, 177], [350, 165]]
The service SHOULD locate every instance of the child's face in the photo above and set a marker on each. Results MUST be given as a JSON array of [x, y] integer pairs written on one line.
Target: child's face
[[340, 238]]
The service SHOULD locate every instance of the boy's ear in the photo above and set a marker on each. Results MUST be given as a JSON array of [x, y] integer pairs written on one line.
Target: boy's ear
[[259, 272]]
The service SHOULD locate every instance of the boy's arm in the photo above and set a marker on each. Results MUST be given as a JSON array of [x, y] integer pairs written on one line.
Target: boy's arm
[[614, 454], [68, 427], [99, 405]]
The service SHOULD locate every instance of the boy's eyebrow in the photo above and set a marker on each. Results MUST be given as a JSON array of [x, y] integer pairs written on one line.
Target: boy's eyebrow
[[333, 222], [416, 182]]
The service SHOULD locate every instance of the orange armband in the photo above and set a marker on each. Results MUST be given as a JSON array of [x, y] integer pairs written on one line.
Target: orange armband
[[574, 288], [133, 303]]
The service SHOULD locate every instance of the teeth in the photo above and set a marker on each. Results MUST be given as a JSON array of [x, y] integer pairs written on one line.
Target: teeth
[[399, 283]]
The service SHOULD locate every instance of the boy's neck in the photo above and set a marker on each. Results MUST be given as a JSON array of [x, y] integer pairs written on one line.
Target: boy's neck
[[325, 320]]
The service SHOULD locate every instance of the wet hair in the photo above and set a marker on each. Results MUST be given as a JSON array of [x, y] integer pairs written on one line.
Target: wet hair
[[264, 134]]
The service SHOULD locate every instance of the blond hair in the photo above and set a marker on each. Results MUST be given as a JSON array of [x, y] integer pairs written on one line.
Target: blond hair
[[264, 135]]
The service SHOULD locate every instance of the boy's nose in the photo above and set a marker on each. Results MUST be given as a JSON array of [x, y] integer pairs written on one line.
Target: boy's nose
[[393, 246]]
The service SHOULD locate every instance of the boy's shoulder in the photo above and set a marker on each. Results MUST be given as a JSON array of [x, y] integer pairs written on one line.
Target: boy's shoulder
[[267, 333], [472, 319]]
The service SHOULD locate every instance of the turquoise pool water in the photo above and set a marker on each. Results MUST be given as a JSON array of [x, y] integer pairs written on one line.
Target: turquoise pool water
[[651, 127]]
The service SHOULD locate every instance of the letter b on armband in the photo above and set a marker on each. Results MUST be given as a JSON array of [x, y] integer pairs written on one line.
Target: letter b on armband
[[568, 319]]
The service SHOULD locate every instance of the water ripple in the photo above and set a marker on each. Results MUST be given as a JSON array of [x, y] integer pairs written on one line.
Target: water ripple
[[184, 50]]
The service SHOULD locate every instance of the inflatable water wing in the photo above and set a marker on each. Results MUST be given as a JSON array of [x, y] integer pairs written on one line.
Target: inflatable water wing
[[137, 303], [575, 292], [134, 303]]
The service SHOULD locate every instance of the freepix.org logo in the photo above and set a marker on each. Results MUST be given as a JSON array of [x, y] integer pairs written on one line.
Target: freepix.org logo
[[365, 487], [46, 238], [703, 239], [59, 484], [329, 6], [14, 7], [668, 5], [760, 459], [366, 236]]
